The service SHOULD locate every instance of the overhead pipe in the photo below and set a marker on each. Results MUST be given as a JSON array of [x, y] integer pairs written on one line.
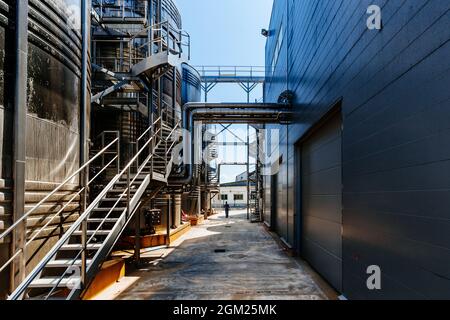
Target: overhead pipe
[[233, 112]]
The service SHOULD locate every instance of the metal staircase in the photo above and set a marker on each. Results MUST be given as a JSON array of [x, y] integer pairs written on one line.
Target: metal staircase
[[73, 261]]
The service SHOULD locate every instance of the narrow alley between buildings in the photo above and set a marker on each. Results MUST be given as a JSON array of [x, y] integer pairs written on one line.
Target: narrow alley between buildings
[[239, 260]]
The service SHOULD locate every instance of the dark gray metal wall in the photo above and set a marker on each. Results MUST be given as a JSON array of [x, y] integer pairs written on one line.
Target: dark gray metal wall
[[396, 110], [321, 203]]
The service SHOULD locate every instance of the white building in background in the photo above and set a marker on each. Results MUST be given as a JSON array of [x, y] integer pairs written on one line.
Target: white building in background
[[235, 193]]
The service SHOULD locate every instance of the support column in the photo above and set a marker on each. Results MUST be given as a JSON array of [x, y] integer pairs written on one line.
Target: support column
[[174, 96], [17, 272], [169, 222], [158, 11], [176, 210], [248, 172], [84, 122], [137, 238], [85, 88]]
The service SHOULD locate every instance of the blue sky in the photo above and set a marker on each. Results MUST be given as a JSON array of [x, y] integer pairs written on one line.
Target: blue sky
[[227, 33]]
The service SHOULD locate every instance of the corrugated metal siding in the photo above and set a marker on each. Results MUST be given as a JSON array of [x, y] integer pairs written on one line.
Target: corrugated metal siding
[[396, 169]]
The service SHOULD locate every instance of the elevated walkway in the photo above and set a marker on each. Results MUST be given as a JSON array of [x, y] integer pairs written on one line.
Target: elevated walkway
[[247, 77], [232, 74]]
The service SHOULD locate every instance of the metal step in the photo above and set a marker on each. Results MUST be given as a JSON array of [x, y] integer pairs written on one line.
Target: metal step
[[121, 183], [92, 232], [79, 247], [109, 209], [100, 220], [65, 263], [121, 190], [113, 199], [50, 282]]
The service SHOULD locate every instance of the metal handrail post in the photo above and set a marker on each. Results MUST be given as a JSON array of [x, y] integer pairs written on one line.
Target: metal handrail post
[[84, 253], [128, 191], [180, 46], [146, 10], [130, 46], [118, 152], [85, 177], [168, 38], [150, 41], [165, 154], [103, 146]]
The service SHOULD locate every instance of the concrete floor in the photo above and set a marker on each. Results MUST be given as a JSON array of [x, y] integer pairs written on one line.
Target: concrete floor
[[253, 267]]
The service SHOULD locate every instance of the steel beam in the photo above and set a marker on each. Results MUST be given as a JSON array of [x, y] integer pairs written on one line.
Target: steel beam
[[248, 172]]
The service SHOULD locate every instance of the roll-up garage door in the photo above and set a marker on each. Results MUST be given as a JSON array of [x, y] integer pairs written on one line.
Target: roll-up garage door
[[321, 169]]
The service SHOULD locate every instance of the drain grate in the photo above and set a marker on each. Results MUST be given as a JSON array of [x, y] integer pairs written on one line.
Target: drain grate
[[220, 250]]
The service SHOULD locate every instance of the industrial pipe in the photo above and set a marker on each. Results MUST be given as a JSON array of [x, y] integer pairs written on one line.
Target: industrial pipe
[[17, 273], [262, 113], [84, 116], [85, 99]]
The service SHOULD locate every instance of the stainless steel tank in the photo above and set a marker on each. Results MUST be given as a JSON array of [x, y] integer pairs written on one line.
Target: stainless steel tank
[[191, 86], [53, 120]]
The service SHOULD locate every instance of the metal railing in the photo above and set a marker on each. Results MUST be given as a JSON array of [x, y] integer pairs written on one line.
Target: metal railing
[[231, 71], [112, 63], [146, 145], [83, 220], [123, 10], [169, 142], [83, 171], [158, 38], [151, 143]]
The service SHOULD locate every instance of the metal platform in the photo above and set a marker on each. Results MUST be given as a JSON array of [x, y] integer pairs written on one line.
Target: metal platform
[[247, 77]]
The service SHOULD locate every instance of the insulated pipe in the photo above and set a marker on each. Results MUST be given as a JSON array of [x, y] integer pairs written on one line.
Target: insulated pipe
[[85, 99], [200, 111], [84, 116], [188, 107]]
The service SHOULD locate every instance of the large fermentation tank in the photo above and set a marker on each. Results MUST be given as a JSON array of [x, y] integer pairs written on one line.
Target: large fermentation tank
[[53, 120], [191, 87]]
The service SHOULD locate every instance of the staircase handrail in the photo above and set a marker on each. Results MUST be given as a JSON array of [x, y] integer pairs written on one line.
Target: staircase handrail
[[175, 41], [77, 224], [23, 219]]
